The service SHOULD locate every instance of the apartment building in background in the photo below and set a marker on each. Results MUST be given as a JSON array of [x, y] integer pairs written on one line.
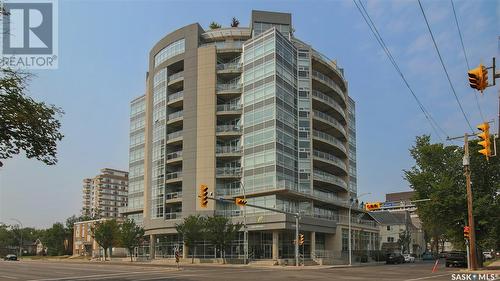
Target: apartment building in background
[[135, 205], [251, 110], [104, 194]]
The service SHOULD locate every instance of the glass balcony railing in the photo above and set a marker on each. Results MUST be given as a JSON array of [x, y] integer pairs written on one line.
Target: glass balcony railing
[[175, 76], [329, 157], [228, 128], [233, 66], [228, 107], [175, 96], [225, 44], [328, 61], [227, 149], [328, 100], [327, 177], [174, 155], [173, 195], [174, 135], [228, 86], [173, 175], [175, 115], [330, 139], [330, 120], [173, 216], [328, 81], [236, 171]]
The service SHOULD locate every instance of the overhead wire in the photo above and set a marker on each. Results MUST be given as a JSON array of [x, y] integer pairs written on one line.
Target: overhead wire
[[434, 125], [444, 67]]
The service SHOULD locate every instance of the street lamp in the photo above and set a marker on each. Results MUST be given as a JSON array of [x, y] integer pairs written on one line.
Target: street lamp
[[21, 231], [351, 202]]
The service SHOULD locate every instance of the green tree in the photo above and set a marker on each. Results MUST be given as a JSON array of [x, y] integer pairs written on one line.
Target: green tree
[[438, 175], [235, 22], [191, 230], [106, 234], [54, 238], [131, 236], [214, 25], [26, 124], [221, 232]]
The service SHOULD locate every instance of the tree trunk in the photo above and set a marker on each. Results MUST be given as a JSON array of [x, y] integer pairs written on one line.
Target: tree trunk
[[130, 252], [193, 254]]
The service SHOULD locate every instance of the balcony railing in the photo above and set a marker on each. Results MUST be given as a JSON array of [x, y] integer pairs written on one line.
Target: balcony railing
[[227, 149], [225, 44], [328, 81], [174, 155], [175, 76], [228, 171], [331, 139], [173, 175], [327, 177], [228, 107], [327, 61], [175, 96], [228, 128], [328, 100], [229, 87], [174, 135], [173, 195], [329, 157], [173, 216], [235, 66], [174, 115], [330, 120]]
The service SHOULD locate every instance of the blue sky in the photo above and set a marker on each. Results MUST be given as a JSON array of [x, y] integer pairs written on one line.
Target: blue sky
[[103, 51]]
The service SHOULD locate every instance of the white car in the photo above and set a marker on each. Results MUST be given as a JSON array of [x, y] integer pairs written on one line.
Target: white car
[[487, 255], [408, 258]]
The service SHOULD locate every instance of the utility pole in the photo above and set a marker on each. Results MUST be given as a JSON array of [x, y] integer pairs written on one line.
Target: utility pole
[[472, 238]]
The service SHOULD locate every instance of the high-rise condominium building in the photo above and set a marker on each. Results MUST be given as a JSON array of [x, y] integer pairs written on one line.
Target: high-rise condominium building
[[255, 110], [105, 193], [134, 209]]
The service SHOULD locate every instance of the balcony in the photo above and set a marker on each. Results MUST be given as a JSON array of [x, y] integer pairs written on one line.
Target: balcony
[[330, 102], [330, 83], [228, 88], [228, 151], [331, 65], [228, 109], [173, 177], [230, 67], [174, 157], [175, 99], [173, 195], [228, 172], [175, 117], [173, 216], [331, 141], [328, 158], [330, 122], [329, 179], [176, 77], [174, 137], [228, 130]]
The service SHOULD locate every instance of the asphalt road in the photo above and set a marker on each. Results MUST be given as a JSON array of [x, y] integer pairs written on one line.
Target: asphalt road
[[57, 271]]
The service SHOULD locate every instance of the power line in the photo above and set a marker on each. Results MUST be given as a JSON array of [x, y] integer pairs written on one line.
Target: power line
[[466, 59], [444, 67], [380, 40]]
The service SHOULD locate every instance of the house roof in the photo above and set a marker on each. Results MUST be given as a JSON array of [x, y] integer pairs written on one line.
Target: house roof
[[391, 218]]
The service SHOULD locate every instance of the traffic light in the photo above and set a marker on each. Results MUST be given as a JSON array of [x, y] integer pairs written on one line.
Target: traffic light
[[240, 201], [466, 232], [372, 206], [301, 239], [478, 78], [203, 195], [485, 139]]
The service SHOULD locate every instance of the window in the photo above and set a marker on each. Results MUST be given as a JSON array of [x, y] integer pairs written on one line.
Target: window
[[169, 51], [388, 228], [390, 239]]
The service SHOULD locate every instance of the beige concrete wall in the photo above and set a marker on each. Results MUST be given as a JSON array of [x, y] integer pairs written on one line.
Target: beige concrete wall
[[206, 122]]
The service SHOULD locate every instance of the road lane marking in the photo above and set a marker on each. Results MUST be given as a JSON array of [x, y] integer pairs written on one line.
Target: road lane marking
[[428, 277], [8, 277], [94, 276]]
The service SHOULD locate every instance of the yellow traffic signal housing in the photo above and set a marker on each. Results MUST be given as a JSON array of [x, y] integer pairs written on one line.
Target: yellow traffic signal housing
[[203, 195], [240, 201], [466, 232], [484, 137], [301, 239], [478, 78], [372, 206]]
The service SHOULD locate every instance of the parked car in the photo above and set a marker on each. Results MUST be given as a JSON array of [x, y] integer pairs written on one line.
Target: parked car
[[409, 258], [443, 255], [10, 258], [488, 255], [456, 258], [394, 258], [428, 256]]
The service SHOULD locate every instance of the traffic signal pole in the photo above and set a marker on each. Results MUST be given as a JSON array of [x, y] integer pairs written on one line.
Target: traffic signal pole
[[472, 235]]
